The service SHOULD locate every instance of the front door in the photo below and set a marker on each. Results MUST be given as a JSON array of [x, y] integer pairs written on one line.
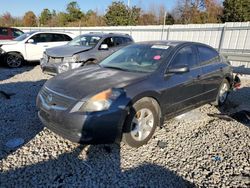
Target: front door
[[183, 90]]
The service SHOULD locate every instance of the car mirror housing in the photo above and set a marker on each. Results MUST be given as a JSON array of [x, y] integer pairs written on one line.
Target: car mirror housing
[[178, 69], [104, 47], [30, 41]]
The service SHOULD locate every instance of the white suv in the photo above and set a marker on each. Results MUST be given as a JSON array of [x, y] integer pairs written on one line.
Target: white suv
[[30, 46]]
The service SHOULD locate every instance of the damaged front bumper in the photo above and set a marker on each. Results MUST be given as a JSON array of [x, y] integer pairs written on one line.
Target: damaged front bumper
[[57, 68]]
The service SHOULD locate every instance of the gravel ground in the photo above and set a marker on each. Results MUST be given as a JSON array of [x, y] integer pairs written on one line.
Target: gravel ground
[[192, 150]]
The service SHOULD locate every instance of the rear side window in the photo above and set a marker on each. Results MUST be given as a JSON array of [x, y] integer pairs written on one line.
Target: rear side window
[[127, 40], [4, 31], [118, 41], [16, 33], [185, 56], [58, 38], [207, 55], [67, 38]]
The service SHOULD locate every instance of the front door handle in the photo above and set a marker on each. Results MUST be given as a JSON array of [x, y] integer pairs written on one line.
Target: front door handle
[[198, 76], [45, 46]]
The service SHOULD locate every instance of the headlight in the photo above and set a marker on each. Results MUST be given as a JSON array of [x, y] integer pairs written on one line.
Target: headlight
[[63, 67], [68, 59], [99, 102], [74, 59]]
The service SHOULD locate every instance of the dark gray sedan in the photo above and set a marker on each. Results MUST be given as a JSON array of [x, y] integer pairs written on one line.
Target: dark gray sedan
[[127, 95], [84, 49]]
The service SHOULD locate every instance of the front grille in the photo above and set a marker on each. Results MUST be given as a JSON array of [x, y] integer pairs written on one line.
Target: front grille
[[55, 59], [56, 99]]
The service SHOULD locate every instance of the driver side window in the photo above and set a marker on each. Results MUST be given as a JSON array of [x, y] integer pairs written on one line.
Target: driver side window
[[109, 41], [185, 56]]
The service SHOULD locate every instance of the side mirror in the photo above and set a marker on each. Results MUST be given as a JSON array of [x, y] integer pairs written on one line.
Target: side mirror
[[104, 47], [30, 41], [178, 69]]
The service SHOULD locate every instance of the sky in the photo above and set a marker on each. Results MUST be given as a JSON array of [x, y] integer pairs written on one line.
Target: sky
[[19, 7]]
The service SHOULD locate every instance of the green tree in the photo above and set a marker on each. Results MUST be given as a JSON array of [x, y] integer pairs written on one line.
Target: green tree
[[119, 14], [29, 19], [74, 11], [45, 17], [62, 19], [236, 11], [169, 19]]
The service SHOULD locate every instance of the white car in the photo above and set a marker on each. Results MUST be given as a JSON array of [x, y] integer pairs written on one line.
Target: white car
[[30, 46]]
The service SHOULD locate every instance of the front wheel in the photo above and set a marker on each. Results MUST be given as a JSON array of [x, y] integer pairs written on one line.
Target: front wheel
[[141, 123], [14, 60], [90, 62], [223, 93]]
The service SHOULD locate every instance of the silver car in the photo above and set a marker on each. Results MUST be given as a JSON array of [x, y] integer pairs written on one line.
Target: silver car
[[84, 49]]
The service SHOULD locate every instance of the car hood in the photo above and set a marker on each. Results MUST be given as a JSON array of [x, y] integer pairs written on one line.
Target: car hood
[[85, 81], [66, 50]]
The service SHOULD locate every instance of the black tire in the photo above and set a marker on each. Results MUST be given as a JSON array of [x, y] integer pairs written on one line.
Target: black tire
[[222, 93], [90, 62], [14, 60], [129, 137]]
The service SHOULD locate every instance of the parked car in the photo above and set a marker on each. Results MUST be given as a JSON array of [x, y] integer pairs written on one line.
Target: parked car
[[30, 46], [7, 33], [127, 95], [84, 49]]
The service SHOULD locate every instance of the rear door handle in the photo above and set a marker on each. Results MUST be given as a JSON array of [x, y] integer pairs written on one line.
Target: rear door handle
[[45, 46], [198, 76]]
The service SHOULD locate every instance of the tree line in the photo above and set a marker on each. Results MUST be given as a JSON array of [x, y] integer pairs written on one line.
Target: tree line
[[118, 13]]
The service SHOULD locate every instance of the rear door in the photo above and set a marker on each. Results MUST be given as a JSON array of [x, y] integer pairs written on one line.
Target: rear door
[[212, 76], [5, 33], [183, 90]]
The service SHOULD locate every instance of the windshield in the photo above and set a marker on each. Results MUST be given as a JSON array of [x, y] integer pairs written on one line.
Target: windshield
[[85, 40], [23, 36], [137, 58]]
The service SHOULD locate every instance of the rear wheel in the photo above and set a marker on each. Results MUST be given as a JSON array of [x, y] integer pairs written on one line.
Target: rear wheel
[[141, 123], [223, 93], [14, 60]]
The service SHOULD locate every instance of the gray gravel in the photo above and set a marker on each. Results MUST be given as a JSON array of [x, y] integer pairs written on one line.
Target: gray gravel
[[192, 150]]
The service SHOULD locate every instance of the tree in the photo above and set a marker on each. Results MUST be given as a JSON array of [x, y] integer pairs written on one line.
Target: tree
[[119, 14], [93, 19], [236, 11], [74, 11], [148, 19], [6, 19], [169, 19], [29, 19], [197, 11], [213, 11], [45, 17]]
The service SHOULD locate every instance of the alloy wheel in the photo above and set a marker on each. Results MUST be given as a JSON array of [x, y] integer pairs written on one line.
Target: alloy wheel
[[142, 124]]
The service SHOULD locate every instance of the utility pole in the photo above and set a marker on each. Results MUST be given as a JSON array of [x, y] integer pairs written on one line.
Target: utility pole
[[164, 23], [128, 3]]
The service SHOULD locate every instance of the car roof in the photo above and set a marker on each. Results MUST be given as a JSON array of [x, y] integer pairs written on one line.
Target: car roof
[[172, 43], [55, 32], [101, 34]]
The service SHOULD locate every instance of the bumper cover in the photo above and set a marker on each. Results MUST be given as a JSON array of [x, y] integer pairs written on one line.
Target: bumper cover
[[85, 128], [54, 68]]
